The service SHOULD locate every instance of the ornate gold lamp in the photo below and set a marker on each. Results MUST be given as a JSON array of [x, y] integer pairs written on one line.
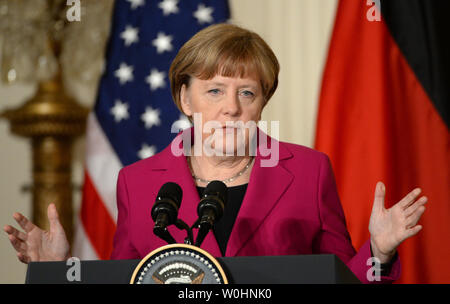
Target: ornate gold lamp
[[51, 119]]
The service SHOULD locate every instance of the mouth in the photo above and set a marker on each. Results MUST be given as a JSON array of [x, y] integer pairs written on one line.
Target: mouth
[[229, 129], [231, 125]]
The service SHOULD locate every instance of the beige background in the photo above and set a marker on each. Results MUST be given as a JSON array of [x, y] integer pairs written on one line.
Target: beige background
[[297, 30]]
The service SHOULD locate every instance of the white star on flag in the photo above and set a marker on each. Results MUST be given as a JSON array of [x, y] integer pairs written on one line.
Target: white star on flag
[[136, 3], [204, 14], [124, 73], [169, 7], [130, 35], [156, 79], [146, 151], [120, 111], [163, 43], [151, 117]]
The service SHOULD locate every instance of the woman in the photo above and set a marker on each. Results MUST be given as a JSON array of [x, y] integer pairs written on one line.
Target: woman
[[226, 74]]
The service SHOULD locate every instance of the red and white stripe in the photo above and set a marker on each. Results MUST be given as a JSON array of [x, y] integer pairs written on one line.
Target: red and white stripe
[[97, 220]]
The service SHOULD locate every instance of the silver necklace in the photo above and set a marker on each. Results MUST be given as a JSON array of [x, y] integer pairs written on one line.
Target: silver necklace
[[226, 181]]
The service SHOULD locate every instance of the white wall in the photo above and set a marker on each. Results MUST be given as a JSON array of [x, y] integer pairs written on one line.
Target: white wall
[[297, 30]]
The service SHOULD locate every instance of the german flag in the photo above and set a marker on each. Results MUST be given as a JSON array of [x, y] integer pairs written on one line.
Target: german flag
[[384, 116]]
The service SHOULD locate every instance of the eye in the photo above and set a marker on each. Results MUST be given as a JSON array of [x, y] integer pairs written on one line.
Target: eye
[[214, 91], [247, 93]]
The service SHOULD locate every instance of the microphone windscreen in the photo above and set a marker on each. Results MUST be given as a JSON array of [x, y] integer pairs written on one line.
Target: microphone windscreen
[[217, 188], [172, 191]]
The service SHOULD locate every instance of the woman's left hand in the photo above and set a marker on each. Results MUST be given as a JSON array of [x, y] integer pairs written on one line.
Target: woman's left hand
[[390, 227]]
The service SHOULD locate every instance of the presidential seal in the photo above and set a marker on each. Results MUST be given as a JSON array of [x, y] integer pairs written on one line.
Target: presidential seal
[[179, 264]]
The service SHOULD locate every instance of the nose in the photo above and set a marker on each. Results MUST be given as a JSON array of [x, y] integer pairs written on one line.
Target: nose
[[231, 106]]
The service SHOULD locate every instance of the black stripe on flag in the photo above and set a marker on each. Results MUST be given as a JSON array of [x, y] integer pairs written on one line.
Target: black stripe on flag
[[421, 30]]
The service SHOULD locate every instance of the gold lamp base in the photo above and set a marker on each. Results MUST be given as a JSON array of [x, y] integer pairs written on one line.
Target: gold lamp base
[[52, 120]]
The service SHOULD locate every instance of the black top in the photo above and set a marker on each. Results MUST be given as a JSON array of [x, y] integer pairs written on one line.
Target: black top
[[222, 229]]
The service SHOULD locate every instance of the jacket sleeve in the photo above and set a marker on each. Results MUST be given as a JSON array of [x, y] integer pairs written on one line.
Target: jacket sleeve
[[123, 248], [334, 237]]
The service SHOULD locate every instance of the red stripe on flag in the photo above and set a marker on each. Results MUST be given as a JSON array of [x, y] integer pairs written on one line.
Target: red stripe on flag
[[97, 221]]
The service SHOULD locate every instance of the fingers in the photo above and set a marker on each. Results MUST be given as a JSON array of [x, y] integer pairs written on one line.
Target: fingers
[[415, 217], [18, 241], [19, 246], [380, 192], [25, 223], [413, 231], [53, 218], [414, 207], [23, 258], [409, 198], [18, 234], [18, 238], [413, 212]]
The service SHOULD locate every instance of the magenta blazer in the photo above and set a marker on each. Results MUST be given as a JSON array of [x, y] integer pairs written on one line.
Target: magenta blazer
[[290, 209]]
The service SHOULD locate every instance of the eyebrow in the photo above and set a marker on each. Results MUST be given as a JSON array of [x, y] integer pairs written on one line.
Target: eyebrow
[[221, 84], [215, 83]]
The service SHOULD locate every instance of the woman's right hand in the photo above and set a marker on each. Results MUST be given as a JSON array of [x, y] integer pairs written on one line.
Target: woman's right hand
[[35, 244]]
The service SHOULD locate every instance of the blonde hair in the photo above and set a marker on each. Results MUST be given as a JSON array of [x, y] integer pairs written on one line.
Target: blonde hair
[[227, 50]]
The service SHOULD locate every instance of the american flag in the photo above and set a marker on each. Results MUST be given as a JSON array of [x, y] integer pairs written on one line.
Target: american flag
[[134, 111]]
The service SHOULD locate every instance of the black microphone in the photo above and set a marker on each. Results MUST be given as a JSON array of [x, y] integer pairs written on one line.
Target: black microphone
[[210, 209], [165, 210]]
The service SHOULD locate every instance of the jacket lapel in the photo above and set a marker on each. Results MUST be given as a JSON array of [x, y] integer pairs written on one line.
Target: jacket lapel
[[266, 186]]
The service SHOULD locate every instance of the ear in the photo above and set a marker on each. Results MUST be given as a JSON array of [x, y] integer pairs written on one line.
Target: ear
[[185, 101]]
